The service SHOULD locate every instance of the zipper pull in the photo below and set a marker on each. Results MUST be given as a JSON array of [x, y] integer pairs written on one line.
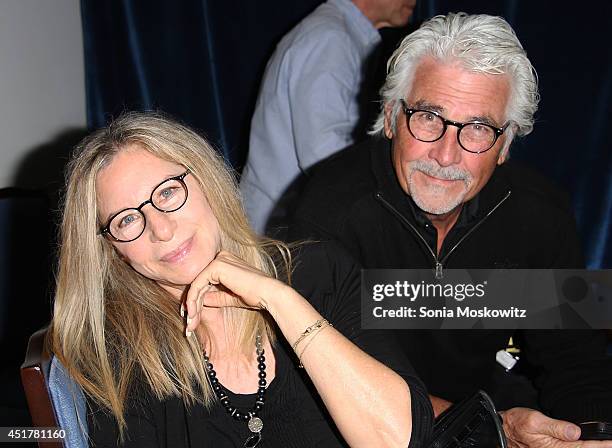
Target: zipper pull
[[439, 274]]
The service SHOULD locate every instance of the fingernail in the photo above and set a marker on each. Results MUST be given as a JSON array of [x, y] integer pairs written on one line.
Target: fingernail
[[187, 333], [572, 432], [189, 319], [182, 311]]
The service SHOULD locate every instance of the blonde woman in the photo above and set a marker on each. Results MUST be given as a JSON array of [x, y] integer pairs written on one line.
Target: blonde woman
[[170, 315]]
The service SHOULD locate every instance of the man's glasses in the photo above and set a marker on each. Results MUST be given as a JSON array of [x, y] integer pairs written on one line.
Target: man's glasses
[[130, 223], [473, 136]]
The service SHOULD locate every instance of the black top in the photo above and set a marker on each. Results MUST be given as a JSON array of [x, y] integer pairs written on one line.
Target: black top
[[518, 220], [293, 415]]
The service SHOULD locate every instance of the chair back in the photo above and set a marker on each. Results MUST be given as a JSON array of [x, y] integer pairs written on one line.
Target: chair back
[[34, 374], [54, 399]]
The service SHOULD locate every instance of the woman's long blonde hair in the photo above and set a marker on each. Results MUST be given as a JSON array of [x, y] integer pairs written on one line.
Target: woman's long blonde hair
[[110, 323]]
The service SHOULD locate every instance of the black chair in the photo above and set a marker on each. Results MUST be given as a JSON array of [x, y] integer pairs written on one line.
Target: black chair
[[472, 423]]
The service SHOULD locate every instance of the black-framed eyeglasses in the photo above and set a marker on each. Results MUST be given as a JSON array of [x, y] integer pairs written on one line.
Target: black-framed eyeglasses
[[128, 224], [429, 126]]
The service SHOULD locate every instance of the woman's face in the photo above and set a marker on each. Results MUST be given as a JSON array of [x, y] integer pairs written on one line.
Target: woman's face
[[174, 247]]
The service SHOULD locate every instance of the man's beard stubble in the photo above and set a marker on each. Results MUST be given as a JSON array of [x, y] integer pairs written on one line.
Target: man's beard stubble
[[436, 199]]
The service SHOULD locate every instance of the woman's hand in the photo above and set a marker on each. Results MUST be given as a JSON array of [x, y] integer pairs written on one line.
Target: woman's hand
[[229, 281]]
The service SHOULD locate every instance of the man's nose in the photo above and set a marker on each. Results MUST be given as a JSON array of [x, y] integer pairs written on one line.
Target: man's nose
[[447, 150], [161, 225]]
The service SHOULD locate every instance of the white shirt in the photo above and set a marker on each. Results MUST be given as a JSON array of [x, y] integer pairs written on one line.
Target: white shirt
[[307, 106]]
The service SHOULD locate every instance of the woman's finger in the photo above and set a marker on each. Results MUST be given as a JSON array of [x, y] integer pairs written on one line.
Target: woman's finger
[[195, 292], [194, 302]]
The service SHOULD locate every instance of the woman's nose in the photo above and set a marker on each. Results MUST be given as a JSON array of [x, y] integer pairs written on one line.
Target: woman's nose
[[161, 225]]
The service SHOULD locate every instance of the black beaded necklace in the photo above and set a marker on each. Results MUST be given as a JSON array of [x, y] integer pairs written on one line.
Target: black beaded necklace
[[254, 422]]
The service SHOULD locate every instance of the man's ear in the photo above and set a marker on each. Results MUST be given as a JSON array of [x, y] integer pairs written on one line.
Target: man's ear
[[503, 155], [388, 122], [508, 137]]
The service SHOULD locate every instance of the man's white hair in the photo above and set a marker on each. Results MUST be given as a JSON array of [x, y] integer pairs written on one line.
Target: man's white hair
[[482, 44]]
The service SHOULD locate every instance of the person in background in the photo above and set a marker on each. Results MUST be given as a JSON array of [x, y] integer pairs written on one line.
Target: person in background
[[171, 314], [431, 190], [308, 104]]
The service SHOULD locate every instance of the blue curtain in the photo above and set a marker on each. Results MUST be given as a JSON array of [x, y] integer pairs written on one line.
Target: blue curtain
[[201, 61]]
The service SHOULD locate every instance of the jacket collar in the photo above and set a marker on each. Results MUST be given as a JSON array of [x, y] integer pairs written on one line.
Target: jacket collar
[[387, 184]]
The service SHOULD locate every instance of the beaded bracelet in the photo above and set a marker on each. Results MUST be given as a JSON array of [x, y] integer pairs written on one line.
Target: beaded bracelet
[[308, 331]]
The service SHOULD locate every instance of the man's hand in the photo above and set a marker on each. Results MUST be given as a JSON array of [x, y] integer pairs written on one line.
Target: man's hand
[[527, 428]]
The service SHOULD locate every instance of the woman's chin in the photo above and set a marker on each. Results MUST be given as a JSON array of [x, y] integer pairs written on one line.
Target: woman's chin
[[175, 290], [181, 281]]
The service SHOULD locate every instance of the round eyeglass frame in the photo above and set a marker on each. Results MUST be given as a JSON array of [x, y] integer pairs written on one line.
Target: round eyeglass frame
[[106, 229], [408, 112]]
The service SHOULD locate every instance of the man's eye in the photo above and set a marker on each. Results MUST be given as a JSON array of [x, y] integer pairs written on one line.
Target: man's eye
[[426, 117], [478, 129]]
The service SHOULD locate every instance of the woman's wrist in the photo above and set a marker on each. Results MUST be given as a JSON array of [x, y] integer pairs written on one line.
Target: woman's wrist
[[283, 298], [291, 312]]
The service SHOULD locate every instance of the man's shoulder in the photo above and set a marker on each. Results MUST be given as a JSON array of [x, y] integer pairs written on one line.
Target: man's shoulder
[[323, 25], [538, 221], [352, 162], [319, 265], [346, 175], [534, 190], [337, 184]]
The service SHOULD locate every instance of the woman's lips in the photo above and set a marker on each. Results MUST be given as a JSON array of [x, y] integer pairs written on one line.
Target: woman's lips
[[180, 253]]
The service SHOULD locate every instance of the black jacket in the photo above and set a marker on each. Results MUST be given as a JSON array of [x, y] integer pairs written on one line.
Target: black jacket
[[518, 220]]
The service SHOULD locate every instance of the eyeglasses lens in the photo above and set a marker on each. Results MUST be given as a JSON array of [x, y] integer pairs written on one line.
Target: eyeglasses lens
[[169, 196], [127, 225], [429, 127], [130, 223]]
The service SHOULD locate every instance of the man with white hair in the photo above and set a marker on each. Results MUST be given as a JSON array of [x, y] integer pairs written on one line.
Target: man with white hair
[[436, 193]]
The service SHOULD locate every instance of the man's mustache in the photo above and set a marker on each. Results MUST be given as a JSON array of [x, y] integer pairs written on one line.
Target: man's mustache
[[431, 168]]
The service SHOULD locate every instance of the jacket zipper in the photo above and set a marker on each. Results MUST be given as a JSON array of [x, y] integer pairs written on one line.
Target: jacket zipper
[[439, 264]]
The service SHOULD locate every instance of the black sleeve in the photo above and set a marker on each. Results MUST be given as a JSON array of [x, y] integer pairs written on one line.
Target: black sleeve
[[574, 373], [330, 279]]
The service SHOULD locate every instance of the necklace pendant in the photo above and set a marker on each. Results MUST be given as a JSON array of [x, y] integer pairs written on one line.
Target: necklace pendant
[[255, 424], [253, 440]]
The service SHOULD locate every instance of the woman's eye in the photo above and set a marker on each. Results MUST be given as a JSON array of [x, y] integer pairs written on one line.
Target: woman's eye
[[128, 220], [167, 193]]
